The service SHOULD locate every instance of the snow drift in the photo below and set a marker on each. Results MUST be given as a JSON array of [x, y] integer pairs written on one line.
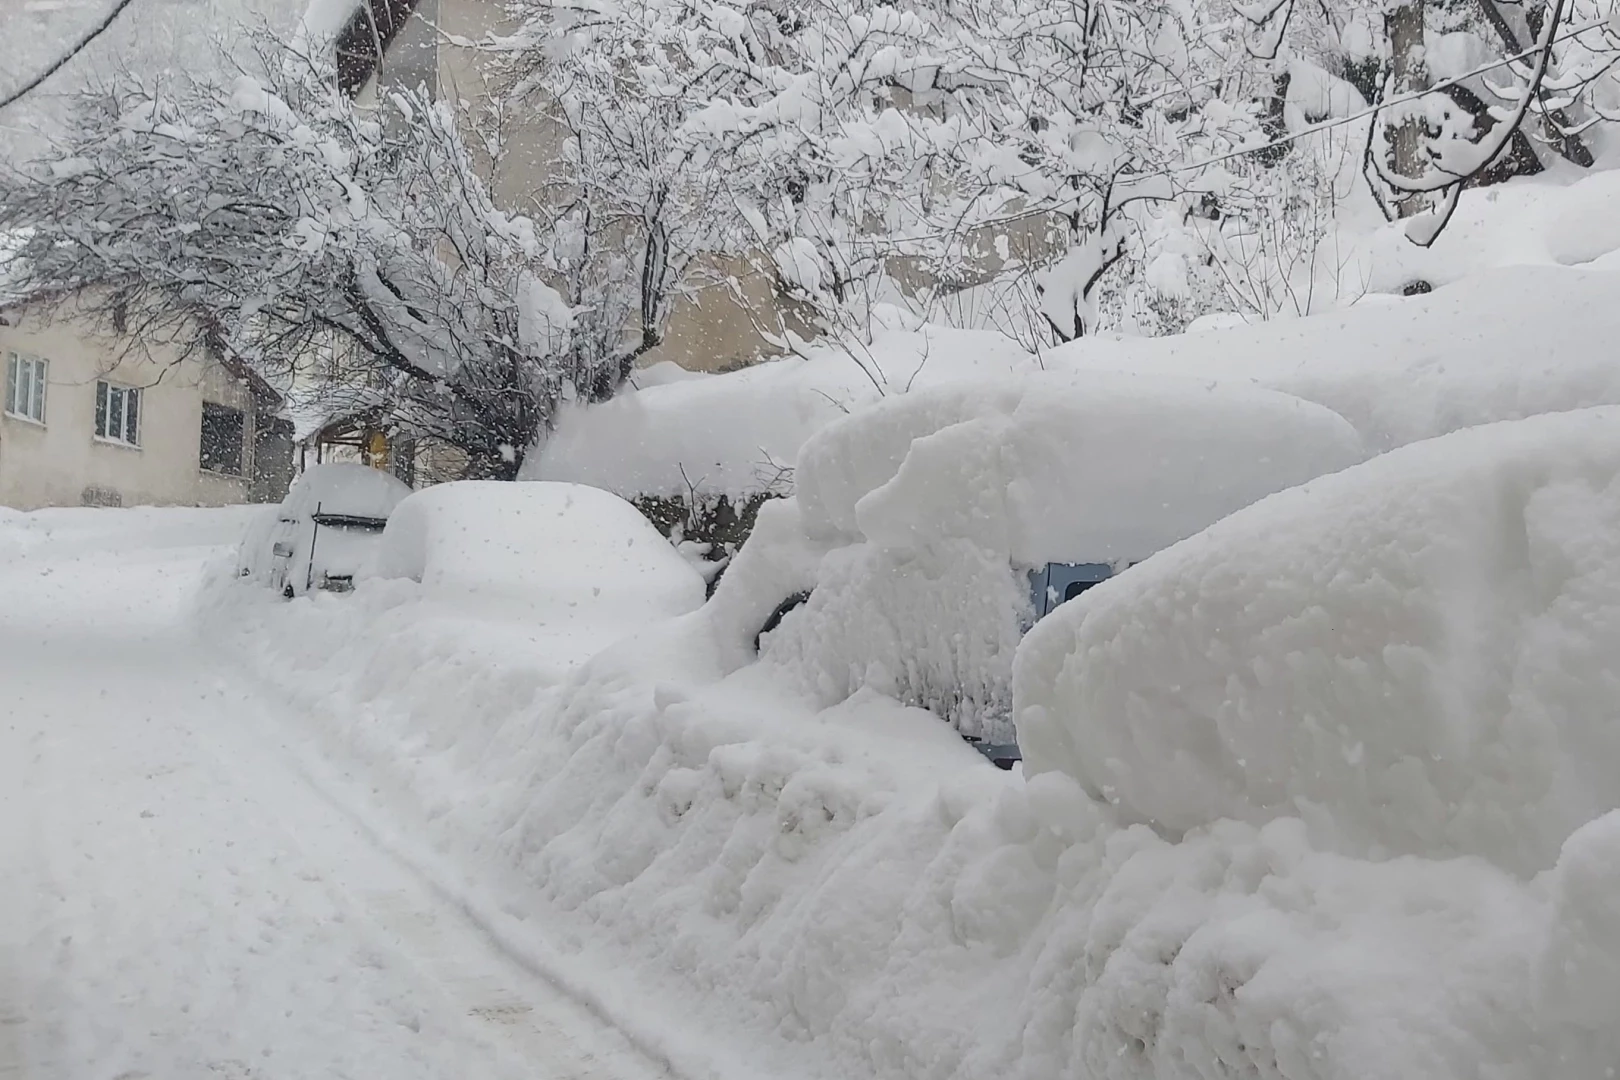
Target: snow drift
[[1500, 345], [736, 433], [1414, 656], [759, 884]]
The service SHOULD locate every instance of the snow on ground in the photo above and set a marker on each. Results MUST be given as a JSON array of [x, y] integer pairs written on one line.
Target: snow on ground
[[183, 897], [809, 891]]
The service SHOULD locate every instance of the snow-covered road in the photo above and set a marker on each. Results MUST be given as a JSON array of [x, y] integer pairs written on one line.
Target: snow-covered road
[[179, 898]]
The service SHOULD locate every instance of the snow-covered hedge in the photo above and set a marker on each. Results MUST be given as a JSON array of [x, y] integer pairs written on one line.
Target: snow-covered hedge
[[1416, 656]]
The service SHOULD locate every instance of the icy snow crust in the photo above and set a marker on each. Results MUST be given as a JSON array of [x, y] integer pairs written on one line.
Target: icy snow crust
[[762, 886], [1416, 656]]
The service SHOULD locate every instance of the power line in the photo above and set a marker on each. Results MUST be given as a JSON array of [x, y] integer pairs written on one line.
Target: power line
[[29, 87]]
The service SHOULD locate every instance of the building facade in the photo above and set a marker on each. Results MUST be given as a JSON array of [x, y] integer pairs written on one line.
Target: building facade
[[89, 420]]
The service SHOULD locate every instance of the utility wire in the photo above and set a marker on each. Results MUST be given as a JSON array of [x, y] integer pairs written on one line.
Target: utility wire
[[32, 85]]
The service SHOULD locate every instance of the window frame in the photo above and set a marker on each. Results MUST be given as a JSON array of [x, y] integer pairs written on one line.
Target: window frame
[[105, 390], [240, 472], [38, 387]]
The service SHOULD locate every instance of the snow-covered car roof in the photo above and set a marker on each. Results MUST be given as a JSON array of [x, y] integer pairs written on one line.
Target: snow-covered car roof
[[1063, 466], [348, 490]]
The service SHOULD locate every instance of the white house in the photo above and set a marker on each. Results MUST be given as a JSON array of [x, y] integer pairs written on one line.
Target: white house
[[91, 420]]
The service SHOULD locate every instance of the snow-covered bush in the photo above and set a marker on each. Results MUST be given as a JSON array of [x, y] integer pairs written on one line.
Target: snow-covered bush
[[1414, 656]]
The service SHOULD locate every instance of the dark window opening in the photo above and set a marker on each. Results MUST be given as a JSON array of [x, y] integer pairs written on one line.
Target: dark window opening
[[222, 437]]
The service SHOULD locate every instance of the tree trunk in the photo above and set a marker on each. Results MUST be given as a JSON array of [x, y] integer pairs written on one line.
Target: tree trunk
[[1404, 24]]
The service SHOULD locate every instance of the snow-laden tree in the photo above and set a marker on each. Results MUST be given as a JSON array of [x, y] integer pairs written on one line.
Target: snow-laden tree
[[1465, 92], [631, 215], [706, 134], [270, 217]]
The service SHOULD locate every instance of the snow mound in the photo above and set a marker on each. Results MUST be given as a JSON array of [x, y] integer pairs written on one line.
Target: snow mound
[[1501, 345], [737, 433], [556, 547], [1063, 467], [1415, 655]]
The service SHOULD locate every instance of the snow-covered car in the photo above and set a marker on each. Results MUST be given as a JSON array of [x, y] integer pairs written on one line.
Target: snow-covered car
[[569, 569], [324, 532], [944, 523]]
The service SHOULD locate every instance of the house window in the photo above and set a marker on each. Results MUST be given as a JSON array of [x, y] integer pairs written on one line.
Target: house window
[[25, 387], [118, 413], [222, 430]]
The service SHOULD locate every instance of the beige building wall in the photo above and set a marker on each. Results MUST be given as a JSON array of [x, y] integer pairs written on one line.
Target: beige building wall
[[708, 331], [61, 462]]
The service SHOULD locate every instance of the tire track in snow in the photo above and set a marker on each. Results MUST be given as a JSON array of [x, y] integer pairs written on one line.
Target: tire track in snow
[[445, 940], [661, 1047]]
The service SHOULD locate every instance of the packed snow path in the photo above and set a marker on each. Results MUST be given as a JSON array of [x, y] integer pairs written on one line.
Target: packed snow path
[[182, 900]]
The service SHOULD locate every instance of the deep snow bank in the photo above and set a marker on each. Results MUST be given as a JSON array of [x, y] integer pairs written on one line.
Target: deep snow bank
[[1498, 345], [1416, 655], [733, 434], [762, 886]]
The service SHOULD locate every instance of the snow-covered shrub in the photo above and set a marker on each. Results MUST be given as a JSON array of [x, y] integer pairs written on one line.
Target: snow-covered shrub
[[1414, 655]]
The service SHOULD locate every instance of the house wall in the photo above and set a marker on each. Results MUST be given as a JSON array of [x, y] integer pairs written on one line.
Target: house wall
[[62, 463]]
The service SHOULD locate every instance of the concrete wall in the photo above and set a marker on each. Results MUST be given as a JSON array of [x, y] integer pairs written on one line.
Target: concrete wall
[[62, 463]]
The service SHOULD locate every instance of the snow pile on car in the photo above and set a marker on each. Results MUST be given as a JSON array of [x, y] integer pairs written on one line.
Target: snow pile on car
[[939, 498], [1096, 466], [1415, 656], [561, 547]]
